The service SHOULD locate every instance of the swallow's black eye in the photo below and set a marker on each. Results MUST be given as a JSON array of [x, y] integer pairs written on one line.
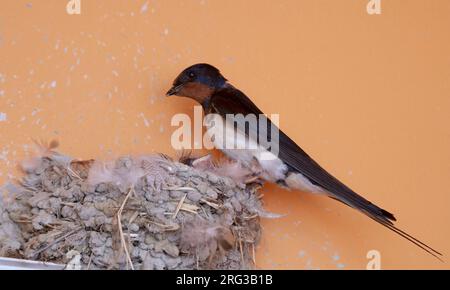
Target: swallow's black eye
[[191, 75]]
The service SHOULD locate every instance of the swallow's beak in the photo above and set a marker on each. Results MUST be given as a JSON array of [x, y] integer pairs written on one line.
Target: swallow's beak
[[174, 90]]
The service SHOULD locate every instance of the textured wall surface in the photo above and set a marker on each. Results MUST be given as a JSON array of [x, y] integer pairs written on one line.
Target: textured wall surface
[[368, 96]]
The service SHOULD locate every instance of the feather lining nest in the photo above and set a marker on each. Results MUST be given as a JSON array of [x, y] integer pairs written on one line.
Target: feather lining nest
[[127, 172]]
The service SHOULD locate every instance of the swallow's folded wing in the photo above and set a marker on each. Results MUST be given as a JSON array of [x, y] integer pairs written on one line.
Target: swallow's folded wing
[[233, 101]]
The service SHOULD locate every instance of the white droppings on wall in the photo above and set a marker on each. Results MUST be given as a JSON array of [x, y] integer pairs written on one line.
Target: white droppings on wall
[[340, 266], [301, 254], [146, 122], [4, 155], [144, 7], [35, 111], [336, 257]]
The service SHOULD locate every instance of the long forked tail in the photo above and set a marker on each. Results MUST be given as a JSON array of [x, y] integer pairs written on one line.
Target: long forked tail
[[410, 238], [384, 218], [307, 175]]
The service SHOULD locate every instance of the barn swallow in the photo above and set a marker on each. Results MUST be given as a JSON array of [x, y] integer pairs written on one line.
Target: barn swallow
[[292, 167]]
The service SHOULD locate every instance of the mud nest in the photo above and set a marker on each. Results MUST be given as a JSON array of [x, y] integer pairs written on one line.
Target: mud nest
[[146, 212]]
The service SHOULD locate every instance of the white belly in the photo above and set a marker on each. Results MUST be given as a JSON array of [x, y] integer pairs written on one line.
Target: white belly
[[230, 141], [238, 146]]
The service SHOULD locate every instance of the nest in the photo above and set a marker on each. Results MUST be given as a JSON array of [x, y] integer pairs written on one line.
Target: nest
[[146, 212]]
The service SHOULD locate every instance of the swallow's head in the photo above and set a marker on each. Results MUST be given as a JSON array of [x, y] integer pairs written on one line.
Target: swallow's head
[[198, 82]]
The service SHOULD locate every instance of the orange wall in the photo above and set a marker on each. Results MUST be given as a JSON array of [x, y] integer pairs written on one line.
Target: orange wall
[[367, 95]]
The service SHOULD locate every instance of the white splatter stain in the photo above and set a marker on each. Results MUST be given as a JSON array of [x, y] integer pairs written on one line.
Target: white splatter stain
[[340, 266], [53, 84], [35, 111], [301, 254], [3, 117], [144, 7], [146, 122], [309, 264], [140, 50], [4, 155]]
